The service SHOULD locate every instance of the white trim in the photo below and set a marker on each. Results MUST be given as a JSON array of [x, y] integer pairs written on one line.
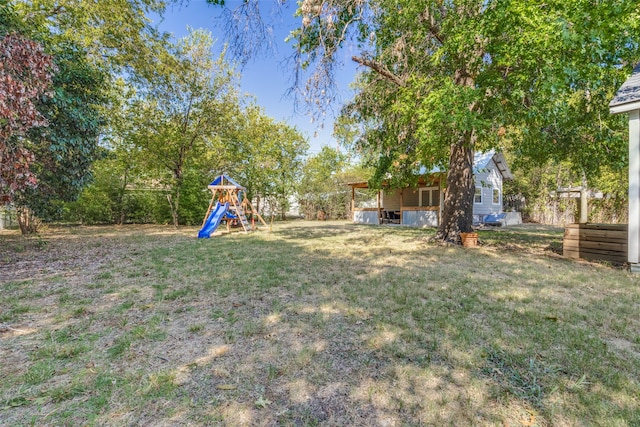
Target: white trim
[[625, 108], [499, 196], [633, 253], [481, 196]]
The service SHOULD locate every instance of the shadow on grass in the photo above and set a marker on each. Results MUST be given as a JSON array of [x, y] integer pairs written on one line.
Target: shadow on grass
[[323, 324]]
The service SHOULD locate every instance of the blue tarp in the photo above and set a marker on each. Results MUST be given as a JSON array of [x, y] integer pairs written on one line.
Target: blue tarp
[[495, 219]]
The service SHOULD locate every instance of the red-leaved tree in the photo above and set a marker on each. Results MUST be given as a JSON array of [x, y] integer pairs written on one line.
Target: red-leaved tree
[[25, 75]]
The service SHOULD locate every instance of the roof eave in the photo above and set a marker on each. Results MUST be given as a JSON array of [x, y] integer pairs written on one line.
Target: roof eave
[[624, 108], [503, 167]]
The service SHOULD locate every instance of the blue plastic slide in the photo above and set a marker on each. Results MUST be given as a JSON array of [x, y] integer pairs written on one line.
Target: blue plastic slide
[[213, 221]]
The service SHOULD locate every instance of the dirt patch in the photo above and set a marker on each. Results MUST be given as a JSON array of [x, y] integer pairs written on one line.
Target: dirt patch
[[59, 250]]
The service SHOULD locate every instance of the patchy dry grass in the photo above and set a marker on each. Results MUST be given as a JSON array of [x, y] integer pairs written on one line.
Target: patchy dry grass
[[313, 324]]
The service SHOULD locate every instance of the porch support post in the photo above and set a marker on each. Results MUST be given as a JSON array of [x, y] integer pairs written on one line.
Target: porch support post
[[379, 212], [442, 190], [353, 203], [634, 191]]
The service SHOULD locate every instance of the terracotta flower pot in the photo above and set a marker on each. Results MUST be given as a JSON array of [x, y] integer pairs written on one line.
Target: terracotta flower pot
[[469, 240]]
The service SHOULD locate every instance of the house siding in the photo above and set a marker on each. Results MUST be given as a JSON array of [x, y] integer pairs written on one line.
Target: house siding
[[392, 200], [488, 179], [411, 197], [490, 170], [420, 218], [366, 217]]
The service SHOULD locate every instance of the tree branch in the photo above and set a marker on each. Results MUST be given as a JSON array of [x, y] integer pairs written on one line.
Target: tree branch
[[380, 69], [433, 26]]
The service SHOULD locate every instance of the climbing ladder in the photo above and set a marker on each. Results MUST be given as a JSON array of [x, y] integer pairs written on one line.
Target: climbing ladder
[[237, 211]]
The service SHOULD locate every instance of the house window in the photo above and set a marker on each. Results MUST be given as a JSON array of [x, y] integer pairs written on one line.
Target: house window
[[429, 196], [477, 197], [496, 196]]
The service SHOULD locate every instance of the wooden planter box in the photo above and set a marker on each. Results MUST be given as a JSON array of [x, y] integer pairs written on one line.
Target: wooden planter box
[[606, 242]]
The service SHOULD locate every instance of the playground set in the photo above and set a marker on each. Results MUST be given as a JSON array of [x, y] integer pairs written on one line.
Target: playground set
[[228, 204]]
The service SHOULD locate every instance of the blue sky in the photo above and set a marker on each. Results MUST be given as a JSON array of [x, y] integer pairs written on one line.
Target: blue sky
[[265, 78]]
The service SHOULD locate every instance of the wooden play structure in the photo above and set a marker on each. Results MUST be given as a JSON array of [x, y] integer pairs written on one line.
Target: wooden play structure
[[228, 204]]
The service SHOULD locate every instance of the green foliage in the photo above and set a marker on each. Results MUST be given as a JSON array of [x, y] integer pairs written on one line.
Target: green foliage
[[90, 43], [178, 115], [66, 149], [111, 198], [116, 34], [265, 156], [534, 193], [445, 78], [195, 197], [323, 184], [25, 76], [158, 149]]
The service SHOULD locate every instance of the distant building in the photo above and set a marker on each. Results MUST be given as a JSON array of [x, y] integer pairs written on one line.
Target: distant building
[[421, 206]]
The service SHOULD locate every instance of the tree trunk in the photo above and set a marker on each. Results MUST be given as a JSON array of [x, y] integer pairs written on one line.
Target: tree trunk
[[258, 204], [28, 222], [173, 204], [457, 212], [120, 200]]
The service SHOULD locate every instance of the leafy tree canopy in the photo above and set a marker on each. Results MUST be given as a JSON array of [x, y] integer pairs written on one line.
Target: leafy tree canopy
[[25, 75], [444, 79]]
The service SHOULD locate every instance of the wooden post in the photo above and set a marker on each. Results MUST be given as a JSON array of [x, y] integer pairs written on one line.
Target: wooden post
[[584, 205], [583, 194], [353, 203], [440, 207], [206, 216], [634, 190], [402, 205], [379, 209], [584, 201]]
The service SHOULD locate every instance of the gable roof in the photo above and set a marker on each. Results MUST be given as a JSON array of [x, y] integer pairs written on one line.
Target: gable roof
[[627, 98], [224, 180], [481, 161]]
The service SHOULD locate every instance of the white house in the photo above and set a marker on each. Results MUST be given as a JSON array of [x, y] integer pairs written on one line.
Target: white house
[[421, 206]]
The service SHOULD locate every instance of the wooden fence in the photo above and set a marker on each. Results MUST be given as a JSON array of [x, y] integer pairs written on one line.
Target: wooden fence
[[606, 242]]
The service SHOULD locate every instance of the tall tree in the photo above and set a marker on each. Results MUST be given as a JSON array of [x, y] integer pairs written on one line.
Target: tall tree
[[25, 75], [89, 42], [65, 150], [321, 182], [285, 164], [445, 79], [115, 34], [267, 157], [180, 111]]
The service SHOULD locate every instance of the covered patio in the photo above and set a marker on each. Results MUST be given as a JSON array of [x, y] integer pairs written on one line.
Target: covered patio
[[418, 206]]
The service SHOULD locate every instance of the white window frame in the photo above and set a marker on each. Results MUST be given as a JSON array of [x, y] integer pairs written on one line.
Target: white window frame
[[493, 190], [430, 190], [475, 194]]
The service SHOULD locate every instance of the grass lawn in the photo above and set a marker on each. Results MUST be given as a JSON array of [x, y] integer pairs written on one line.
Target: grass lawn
[[314, 323]]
